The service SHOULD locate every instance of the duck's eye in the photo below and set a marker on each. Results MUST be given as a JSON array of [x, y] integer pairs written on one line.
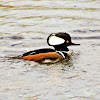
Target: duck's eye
[[67, 41]]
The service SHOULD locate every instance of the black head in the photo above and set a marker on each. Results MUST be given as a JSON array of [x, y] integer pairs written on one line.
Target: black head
[[60, 40]]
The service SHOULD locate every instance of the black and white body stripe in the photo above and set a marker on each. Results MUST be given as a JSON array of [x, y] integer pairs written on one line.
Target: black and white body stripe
[[64, 54]]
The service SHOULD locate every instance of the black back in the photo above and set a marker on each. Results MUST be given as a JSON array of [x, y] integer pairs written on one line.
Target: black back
[[45, 50]]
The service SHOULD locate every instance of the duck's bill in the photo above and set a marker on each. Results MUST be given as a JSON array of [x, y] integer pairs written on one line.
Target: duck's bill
[[74, 44]]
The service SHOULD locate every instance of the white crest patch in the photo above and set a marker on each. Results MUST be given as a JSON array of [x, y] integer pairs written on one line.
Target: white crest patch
[[54, 40]]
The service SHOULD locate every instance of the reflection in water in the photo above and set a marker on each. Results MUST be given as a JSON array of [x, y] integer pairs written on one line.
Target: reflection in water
[[36, 97], [92, 37], [19, 17]]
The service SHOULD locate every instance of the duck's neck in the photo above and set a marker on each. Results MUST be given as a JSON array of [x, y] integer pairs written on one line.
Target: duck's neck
[[61, 48]]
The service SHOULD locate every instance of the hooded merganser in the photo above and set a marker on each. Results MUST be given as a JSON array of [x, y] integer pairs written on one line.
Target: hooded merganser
[[60, 41]]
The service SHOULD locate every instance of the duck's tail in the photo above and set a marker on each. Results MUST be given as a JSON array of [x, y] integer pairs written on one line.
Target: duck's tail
[[17, 57]]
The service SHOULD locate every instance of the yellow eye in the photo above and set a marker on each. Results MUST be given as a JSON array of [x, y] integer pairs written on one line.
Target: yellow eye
[[67, 41]]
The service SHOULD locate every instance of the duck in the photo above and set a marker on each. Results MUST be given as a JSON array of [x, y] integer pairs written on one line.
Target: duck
[[59, 41]]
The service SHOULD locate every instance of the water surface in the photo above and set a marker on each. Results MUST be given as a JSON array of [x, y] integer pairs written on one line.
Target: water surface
[[25, 25]]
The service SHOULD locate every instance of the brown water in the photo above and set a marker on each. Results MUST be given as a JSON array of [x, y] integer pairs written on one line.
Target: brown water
[[25, 25]]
